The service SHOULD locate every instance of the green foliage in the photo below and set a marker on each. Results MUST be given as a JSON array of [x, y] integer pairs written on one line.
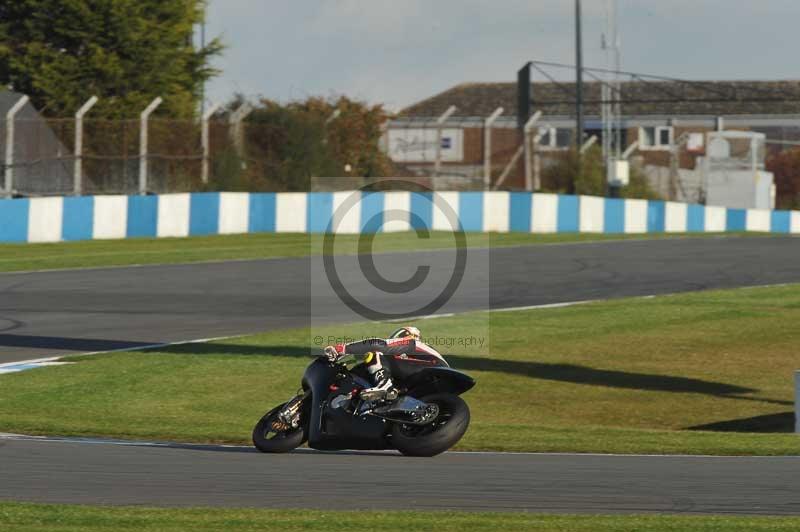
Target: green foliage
[[290, 144], [637, 186], [786, 167], [563, 176], [126, 52], [287, 145]]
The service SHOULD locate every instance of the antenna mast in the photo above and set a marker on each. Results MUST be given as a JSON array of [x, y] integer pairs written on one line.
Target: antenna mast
[[611, 95]]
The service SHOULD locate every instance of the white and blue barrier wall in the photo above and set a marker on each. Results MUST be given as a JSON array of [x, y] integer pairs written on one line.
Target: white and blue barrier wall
[[178, 215]]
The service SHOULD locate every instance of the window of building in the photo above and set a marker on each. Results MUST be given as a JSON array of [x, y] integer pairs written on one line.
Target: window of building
[[547, 137], [563, 137], [555, 138], [664, 136], [656, 137]]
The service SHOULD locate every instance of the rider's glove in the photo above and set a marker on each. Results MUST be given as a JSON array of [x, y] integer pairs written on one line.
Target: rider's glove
[[331, 354]]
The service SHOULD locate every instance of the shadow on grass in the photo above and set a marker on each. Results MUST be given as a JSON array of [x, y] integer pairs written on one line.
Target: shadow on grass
[[570, 373], [241, 349], [599, 377], [769, 423], [67, 344]]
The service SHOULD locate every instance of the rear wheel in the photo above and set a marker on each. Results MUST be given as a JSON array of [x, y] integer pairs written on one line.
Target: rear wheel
[[440, 434], [271, 435]]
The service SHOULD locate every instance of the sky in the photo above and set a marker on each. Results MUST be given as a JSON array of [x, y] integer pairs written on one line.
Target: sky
[[401, 51]]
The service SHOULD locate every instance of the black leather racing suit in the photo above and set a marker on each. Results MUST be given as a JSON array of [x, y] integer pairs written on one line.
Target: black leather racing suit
[[376, 351], [382, 355]]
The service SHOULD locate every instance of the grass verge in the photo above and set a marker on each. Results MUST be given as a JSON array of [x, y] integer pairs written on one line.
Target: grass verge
[[18, 517], [101, 253], [699, 373]]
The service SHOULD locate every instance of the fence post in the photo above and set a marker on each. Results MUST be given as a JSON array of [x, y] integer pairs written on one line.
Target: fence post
[[537, 163], [487, 147], [526, 138], [204, 140], [630, 149], [235, 121], [383, 142], [77, 176], [334, 115], [797, 401], [588, 144], [143, 143], [8, 189], [439, 121]]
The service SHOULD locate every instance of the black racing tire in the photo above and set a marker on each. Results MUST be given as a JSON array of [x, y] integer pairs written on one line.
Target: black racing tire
[[269, 441], [438, 436]]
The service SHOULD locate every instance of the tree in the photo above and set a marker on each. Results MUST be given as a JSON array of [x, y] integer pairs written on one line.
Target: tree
[[785, 165], [354, 135], [127, 52], [287, 145], [561, 176]]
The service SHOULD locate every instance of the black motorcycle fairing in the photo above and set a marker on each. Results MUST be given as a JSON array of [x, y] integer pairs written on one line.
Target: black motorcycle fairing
[[429, 381], [336, 428]]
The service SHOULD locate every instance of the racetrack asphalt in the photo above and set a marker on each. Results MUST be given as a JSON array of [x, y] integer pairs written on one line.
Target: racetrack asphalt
[[98, 473], [57, 312], [72, 311]]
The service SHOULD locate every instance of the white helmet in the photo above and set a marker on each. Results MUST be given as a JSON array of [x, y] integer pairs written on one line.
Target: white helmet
[[404, 332]]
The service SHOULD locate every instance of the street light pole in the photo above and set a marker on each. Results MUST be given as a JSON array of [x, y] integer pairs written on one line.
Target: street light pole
[[202, 47], [578, 77], [578, 88]]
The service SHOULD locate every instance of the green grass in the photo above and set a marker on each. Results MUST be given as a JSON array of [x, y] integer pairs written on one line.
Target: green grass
[[707, 373], [16, 517], [101, 253]]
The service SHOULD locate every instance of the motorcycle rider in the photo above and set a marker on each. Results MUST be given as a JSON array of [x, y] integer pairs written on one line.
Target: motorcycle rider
[[382, 354]]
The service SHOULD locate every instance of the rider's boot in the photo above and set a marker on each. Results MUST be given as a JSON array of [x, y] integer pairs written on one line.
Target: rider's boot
[[383, 389]]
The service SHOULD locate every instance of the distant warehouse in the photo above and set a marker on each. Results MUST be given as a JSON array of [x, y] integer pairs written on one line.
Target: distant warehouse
[[669, 121]]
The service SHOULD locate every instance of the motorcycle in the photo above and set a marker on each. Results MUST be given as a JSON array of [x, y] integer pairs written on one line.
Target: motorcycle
[[423, 417]]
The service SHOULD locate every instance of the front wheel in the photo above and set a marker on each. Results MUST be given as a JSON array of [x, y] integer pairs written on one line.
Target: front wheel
[[440, 434], [271, 435]]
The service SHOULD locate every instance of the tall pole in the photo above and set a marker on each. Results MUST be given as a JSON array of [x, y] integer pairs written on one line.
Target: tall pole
[[235, 121], [143, 119], [8, 188], [437, 164], [202, 47], [204, 141], [487, 147], [617, 106], [578, 78], [578, 93], [527, 148], [77, 174]]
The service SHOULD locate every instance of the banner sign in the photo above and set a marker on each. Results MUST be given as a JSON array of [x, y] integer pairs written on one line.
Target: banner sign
[[418, 145]]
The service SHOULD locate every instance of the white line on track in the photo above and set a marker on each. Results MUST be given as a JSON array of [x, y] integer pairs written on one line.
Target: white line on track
[[44, 361], [424, 317], [212, 446]]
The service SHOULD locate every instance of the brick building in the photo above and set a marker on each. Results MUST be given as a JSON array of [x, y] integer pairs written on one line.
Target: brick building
[[657, 114]]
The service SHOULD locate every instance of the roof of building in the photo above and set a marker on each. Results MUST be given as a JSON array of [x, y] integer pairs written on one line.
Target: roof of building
[[639, 98]]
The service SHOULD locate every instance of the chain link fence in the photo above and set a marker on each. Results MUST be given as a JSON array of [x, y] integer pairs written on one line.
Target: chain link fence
[[43, 157], [457, 153]]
